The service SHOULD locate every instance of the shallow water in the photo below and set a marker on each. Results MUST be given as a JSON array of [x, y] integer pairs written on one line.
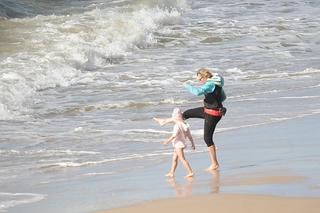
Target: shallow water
[[81, 80]]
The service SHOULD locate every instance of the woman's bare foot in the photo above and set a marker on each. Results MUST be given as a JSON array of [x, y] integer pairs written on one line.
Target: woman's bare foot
[[212, 167], [169, 175], [189, 175]]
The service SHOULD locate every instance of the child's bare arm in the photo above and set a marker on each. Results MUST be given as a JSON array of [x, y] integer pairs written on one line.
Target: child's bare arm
[[169, 139], [163, 121], [188, 133]]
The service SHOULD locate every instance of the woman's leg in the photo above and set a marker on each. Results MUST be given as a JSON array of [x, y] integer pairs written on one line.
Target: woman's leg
[[213, 157], [185, 163], [190, 113], [209, 128], [193, 113], [173, 164]]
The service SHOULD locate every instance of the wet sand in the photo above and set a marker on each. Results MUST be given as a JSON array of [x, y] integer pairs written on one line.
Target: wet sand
[[274, 169]]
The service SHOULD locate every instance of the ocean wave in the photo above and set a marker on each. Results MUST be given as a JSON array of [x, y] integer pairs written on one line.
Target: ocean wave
[[237, 74], [131, 104], [24, 8], [14, 9], [164, 4], [59, 50]]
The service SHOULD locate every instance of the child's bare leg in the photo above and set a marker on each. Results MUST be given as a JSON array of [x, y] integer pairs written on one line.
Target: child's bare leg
[[173, 165], [163, 121], [185, 163]]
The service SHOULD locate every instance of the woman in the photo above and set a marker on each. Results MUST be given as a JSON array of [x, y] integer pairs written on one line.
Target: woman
[[212, 110]]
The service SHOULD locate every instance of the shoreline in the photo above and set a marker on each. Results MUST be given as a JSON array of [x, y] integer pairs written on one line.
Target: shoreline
[[263, 162]]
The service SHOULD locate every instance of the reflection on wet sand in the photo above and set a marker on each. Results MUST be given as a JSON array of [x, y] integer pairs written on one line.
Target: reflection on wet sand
[[185, 189], [215, 181], [181, 190]]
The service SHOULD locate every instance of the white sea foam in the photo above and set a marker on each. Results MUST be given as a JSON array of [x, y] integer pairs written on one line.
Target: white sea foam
[[198, 132], [251, 94], [236, 74], [316, 111], [280, 119], [66, 164], [50, 152], [301, 97], [98, 173], [10, 151], [273, 98], [9, 200], [147, 131], [78, 129]]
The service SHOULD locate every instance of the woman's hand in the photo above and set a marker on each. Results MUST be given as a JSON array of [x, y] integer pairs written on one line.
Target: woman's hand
[[187, 82]]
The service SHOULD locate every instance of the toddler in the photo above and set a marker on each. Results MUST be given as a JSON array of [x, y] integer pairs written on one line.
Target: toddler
[[181, 132]]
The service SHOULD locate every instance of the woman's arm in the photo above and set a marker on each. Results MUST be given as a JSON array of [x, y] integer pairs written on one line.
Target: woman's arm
[[208, 87]]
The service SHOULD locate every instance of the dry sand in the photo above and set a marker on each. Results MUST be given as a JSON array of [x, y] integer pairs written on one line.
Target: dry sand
[[226, 203]]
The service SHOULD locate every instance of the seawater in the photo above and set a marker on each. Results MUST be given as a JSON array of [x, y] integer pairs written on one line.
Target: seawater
[[81, 80]]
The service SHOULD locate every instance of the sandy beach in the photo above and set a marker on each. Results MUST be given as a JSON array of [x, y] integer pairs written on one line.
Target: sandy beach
[[226, 203]]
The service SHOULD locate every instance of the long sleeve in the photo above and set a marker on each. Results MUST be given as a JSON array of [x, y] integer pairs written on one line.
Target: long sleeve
[[208, 87]]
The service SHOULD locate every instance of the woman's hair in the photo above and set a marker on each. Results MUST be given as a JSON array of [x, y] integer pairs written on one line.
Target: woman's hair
[[204, 73]]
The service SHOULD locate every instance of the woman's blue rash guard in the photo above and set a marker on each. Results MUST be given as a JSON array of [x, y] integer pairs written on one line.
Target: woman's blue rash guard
[[208, 87]]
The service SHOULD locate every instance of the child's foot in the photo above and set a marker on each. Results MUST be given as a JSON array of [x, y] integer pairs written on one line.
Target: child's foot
[[212, 167], [169, 175], [189, 175]]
